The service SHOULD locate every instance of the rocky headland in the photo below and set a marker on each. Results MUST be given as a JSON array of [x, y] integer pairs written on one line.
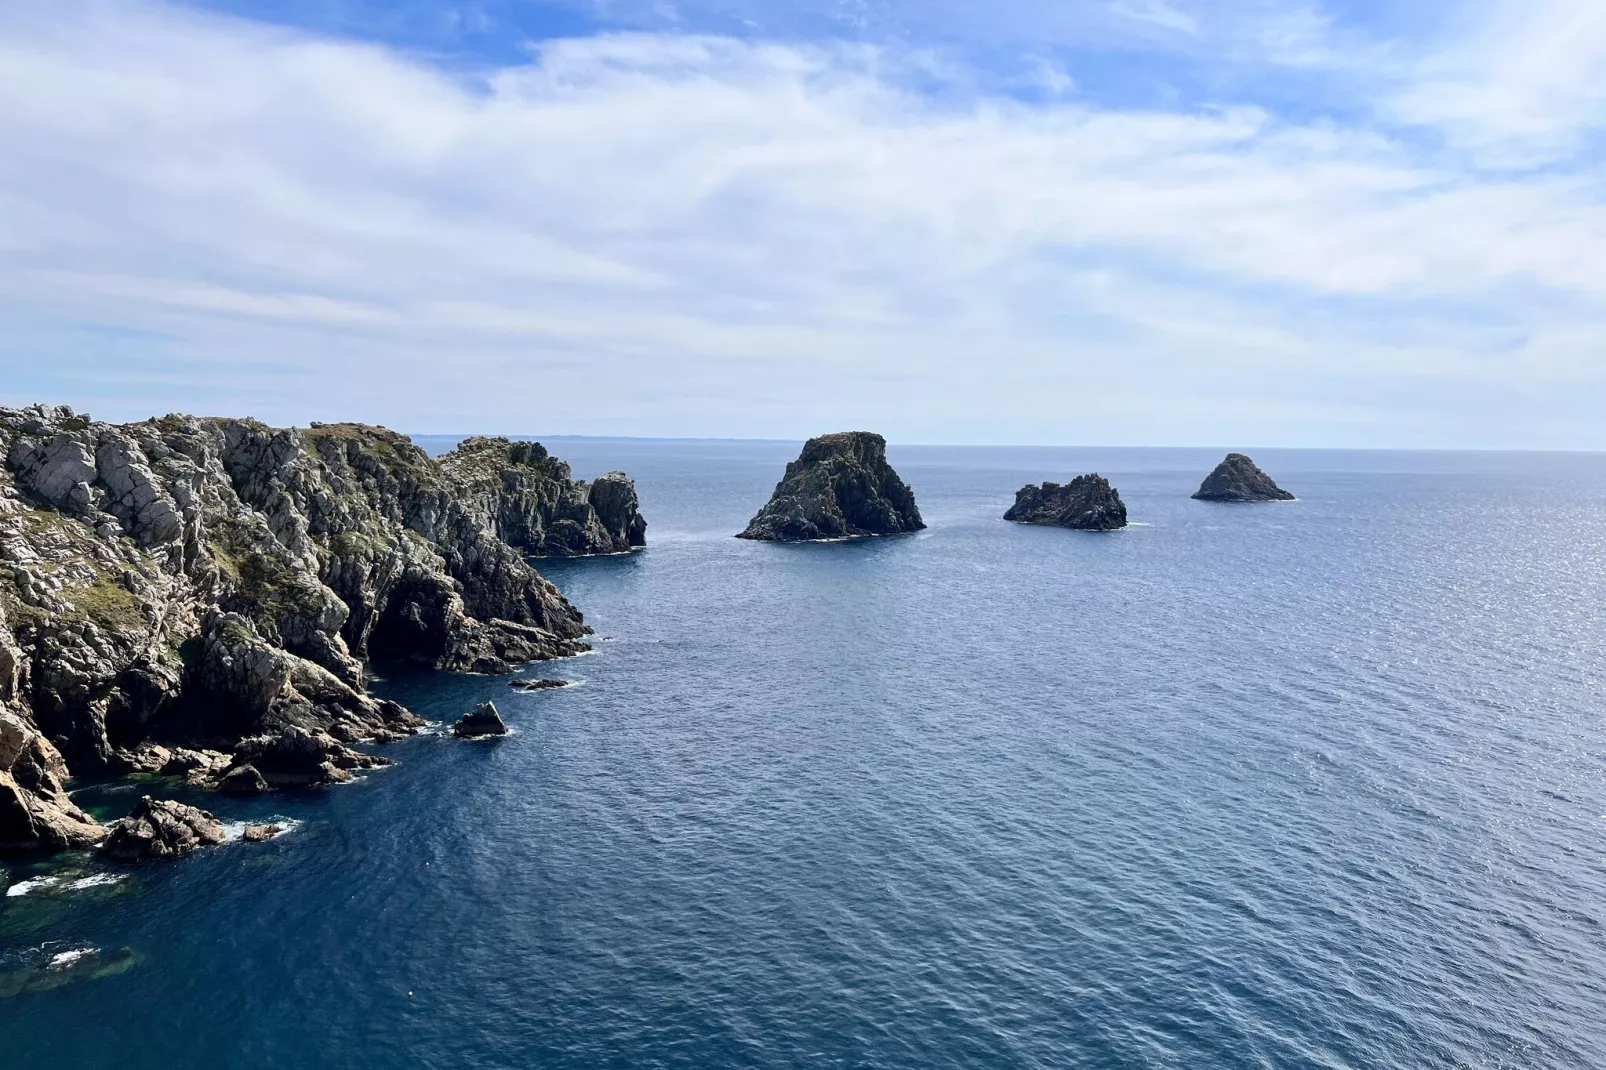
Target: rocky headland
[[202, 597], [840, 487], [1238, 479], [1086, 503]]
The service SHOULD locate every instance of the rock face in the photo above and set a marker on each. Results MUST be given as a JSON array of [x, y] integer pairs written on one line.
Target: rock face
[[1238, 479], [158, 829], [841, 486], [1087, 503], [35, 811], [527, 497], [482, 721], [216, 588]]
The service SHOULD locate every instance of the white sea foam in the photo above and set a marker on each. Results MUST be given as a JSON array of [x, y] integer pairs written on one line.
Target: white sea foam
[[96, 880], [67, 958], [234, 831], [24, 887]]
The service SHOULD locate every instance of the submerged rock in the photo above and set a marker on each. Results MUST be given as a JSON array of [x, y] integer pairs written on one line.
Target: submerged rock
[[482, 721], [841, 486], [1087, 503], [1238, 479], [185, 585], [161, 828]]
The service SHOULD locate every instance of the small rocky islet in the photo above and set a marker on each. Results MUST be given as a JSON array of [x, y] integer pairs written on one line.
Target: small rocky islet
[[840, 487], [202, 598], [1239, 479], [1086, 503]]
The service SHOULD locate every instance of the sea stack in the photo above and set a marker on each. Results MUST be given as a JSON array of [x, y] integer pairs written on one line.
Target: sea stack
[[840, 487], [1086, 503], [1238, 479]]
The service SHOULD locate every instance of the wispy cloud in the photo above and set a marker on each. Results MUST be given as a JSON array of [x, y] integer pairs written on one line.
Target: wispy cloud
[[681, 233]]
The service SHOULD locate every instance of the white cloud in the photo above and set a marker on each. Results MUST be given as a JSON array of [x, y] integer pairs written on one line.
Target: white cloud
[[679, 234], [1523, 85]]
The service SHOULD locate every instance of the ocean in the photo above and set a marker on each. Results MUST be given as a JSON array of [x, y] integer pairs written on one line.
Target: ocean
[[1311, 784]]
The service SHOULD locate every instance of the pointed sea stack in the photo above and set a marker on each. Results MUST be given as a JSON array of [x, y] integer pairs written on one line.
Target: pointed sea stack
[[840, 487], [1238, 479], [1086, 503]]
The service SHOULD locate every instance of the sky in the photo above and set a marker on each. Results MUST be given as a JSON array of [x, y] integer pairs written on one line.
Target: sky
[[1326, 223]]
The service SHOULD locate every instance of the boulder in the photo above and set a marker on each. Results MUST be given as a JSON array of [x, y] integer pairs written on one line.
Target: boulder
[[482, 721], [297, 757], [160, 829], [1086, 503], [261, 833], [841, 486], [537, 685], [242, 780], [1238, 479]]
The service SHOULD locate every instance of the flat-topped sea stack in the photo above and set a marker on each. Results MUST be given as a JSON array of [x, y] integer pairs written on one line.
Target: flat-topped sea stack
[[1086, 503], [840, 487], [1238, 479]]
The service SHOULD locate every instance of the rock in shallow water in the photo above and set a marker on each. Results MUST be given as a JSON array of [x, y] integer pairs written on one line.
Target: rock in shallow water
[[483, 721], [537, 685], [1086, 503], [1238, 479], [243, 780], [841, 486], [159, 829]]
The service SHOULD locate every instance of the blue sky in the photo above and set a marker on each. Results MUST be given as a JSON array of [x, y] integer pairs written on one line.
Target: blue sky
[[1226, 222]]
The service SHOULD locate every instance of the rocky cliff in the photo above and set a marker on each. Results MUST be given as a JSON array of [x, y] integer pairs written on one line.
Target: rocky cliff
[[1238, 479], [841, 486], [222, 584], [1087, 503], [529, 499]]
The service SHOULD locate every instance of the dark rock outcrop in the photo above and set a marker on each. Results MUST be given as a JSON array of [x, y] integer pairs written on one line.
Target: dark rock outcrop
[[218, 587], [841, 486], [243, 780], [529, 499], [161, 828], [1238, 479], [482, 721], [1086, 503], [537, 685]]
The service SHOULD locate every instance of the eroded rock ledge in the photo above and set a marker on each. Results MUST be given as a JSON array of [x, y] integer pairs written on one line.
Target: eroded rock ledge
[[221, 585], [841, 486], [1086, 503]]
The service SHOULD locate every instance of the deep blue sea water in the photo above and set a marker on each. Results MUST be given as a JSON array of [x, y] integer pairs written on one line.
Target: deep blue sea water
[[1317, 784]]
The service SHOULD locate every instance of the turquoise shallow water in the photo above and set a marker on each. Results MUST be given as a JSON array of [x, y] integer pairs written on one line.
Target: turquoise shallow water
[[1319, 784]]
